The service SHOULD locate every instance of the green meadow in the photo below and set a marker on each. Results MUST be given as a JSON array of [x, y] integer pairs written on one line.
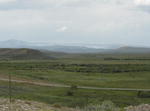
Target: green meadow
[[95, 71]]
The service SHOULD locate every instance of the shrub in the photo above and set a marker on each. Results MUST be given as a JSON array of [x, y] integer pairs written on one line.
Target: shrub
[[56, 106], [70, 93]]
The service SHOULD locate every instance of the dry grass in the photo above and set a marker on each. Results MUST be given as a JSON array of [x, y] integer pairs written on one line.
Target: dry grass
[[19, 105], [143, 107]]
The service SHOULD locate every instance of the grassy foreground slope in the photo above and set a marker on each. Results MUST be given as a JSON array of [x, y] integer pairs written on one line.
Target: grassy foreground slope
[[97, 71]]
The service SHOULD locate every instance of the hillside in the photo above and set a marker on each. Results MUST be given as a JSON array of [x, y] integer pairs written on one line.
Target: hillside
[[22, 54], [129, 49]]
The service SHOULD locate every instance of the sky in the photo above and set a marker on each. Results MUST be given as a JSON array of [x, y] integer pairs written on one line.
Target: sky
[[76, 21]]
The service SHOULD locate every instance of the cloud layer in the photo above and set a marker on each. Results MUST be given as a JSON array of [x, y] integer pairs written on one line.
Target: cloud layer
[[7, 1], [142, 2], [96, 21]]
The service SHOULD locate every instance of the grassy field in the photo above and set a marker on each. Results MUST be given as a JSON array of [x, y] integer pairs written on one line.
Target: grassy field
[[121, 72]]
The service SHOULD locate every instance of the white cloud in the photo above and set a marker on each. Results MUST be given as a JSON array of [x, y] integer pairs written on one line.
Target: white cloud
[[62, 29], [142, 2], [60, 3], [7, 1], [21, 18]]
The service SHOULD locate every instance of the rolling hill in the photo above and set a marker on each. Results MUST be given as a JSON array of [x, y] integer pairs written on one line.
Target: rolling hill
[[129, 49], [22, 54]]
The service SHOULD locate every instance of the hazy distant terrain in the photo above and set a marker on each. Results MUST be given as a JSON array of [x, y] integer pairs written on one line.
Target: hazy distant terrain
[[20, 50], [74, 48]]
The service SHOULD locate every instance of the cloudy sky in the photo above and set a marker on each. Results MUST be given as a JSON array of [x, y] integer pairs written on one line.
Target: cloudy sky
[[76, 21]]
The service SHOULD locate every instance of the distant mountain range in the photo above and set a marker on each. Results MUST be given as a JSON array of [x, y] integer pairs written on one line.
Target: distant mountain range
[[76, 48]]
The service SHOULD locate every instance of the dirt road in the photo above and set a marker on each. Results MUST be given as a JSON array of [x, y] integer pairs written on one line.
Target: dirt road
[[67, 86]]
